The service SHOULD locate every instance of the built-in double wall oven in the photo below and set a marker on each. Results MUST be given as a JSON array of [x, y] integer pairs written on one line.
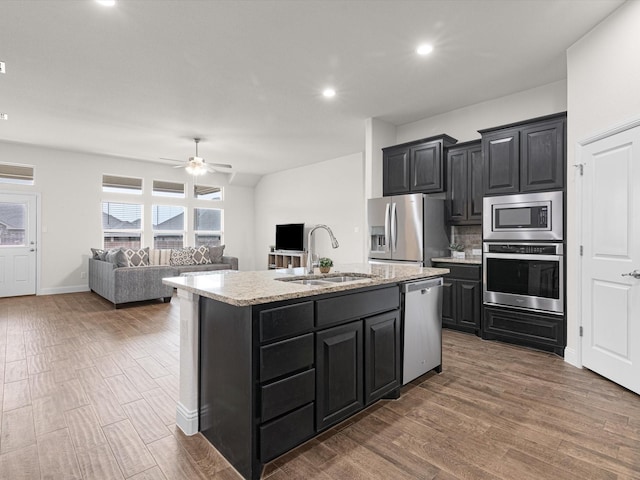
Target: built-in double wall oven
[[523, 250]]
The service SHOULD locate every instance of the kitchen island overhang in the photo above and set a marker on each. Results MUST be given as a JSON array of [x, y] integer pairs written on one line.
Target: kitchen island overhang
[[240, 294]]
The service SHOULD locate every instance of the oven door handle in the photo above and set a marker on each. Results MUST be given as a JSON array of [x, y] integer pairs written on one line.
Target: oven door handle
[[516, 256]]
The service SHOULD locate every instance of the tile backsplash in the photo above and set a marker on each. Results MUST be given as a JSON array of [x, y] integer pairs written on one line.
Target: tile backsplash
[[468, 235]]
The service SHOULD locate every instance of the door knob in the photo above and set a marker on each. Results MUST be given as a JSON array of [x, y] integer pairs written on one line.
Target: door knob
[[634, 274]]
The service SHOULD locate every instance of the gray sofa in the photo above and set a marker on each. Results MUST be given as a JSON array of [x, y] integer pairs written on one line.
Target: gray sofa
[[134, 284]]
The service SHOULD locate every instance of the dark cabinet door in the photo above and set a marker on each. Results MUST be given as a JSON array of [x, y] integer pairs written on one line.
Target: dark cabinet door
[[475, 189], [542, 157], [339, 382], [468, 303], [381, 355], [396, 177], [448, 301], [426, 168], [501, 155], [465, 187], [457, 186]]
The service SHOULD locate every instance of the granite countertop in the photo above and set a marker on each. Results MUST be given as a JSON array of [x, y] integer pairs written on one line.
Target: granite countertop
[[468, 260], [252, 288]]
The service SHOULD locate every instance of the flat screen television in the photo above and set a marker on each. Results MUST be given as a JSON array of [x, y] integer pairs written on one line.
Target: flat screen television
[[290, 236]]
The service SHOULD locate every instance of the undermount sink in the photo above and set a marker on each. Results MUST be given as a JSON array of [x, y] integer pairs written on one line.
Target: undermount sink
[[341, 279], [325, 281], [304, 282]]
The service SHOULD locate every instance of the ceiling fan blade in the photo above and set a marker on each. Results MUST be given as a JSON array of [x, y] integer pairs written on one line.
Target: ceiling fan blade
[[171, 159], [221, 165]]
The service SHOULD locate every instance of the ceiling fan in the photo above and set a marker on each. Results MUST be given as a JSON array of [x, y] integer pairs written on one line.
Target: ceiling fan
[[196, 165]]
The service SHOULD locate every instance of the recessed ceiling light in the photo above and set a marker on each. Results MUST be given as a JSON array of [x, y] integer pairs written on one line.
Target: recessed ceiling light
[[424, 49], [329, 92], [4, 116], [107, 3]]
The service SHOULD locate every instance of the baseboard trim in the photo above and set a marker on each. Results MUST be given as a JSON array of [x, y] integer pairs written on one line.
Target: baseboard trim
[[60, 290], [571, 357], [187, 419]]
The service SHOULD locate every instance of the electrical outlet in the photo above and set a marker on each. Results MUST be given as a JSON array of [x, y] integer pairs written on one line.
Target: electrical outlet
[[83, 274], [3, 68], [476, 251], [4, 116]]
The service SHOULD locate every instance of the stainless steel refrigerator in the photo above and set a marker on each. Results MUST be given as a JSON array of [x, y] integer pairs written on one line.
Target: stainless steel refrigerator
[[407, 228]]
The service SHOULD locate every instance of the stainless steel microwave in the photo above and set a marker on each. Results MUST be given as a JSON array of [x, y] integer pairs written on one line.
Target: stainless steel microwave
[[523, 217]]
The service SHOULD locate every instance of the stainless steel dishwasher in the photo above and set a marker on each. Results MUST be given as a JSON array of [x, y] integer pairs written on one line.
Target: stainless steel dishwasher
[[422, 328]]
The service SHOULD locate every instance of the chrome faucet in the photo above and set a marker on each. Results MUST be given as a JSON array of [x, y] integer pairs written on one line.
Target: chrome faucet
[[334, 244]]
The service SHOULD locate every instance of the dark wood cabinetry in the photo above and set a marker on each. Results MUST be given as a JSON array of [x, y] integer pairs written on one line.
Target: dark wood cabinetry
[[537, 330], [381, 355], [462, 297], [415, 167], [465, 187], [525, 157], [339, 363], [272, 376]]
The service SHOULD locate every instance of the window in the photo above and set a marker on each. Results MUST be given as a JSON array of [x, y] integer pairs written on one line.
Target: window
[[16, 174], [207, 193], [168, 226], [112, 183], [168, 189], [13, 218], [121, 224], [207, 223]]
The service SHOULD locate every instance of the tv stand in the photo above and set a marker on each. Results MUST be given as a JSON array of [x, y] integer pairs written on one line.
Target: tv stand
[[282, 259]]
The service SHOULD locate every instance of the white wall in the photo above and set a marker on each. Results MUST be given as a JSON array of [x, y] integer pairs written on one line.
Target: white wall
[[70, 188], [464, 123], [603, 92], [329, 192]]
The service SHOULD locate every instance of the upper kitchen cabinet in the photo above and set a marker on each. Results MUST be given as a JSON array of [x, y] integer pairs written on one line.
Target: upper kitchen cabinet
[[525, 157], [415, 167], [464, 184]]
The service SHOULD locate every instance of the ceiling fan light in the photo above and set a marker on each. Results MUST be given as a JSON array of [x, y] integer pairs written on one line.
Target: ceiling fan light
[[196, 169]]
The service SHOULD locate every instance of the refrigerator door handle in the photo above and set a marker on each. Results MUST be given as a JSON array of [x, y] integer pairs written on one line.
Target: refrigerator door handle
[[394, 228], [387, 226]]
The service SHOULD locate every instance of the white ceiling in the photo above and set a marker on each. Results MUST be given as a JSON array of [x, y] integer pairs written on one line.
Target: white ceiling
[[142, 79]]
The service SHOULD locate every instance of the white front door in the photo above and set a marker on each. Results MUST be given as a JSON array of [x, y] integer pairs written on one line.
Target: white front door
[[611, 240], [17, 245]]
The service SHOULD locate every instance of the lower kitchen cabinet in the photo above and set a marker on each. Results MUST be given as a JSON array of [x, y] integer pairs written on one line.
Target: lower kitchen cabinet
[[381, 355], [530, 329], [274, 375], [339, 382], [462, 297]]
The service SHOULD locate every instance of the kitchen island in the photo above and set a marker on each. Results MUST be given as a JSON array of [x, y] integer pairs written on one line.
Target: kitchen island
[[268, 359]]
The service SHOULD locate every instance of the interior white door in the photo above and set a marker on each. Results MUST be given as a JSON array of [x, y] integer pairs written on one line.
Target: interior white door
[[17, 245], [611, 240]]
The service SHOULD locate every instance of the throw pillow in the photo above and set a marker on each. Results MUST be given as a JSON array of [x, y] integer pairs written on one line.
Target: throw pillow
[[181, 256], [201, 255], [159, 256], [215, 253], [98, 253], [137, 258], [117, 257]]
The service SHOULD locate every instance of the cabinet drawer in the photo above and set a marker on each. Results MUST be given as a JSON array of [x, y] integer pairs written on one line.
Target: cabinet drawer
[[286, 321], [286, 432], [285, 395], [285, 357], [462, 272], [533, 328], [357, 305]]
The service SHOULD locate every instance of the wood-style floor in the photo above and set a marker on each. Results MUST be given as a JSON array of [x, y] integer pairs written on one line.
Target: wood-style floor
[[89, 392]]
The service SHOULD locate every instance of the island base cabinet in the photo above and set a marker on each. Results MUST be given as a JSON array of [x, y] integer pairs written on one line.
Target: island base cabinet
[[339, 391], [382, 355], [286, 432]]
